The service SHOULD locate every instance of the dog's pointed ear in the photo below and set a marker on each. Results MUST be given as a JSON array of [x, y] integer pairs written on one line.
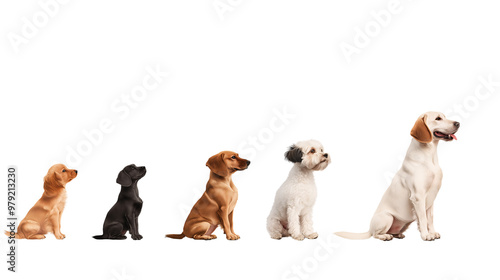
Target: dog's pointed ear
[[420, 131], [217, 165], [124, 179], [294, 154]]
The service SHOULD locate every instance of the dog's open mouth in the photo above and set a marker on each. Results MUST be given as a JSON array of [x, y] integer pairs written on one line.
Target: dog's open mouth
[[447, 137]]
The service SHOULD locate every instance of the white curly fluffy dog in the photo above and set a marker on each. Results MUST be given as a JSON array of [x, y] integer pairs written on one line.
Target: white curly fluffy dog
[[291, 214]]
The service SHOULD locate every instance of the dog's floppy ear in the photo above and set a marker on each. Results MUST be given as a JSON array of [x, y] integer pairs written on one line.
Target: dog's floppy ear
[[124, 179], [294, 154], [420, 131], [217, 165], [50, 181], [57, 176]]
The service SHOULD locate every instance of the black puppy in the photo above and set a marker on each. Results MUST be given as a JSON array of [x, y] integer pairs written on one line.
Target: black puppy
[[123, 216]]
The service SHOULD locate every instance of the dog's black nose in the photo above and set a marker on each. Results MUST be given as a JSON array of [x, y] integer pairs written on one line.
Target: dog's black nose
[[325, 155], [76, 171], [457, 124], [248, 162]]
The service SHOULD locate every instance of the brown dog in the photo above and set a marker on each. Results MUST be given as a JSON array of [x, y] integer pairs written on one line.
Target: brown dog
[[45, 215], [216, 205]]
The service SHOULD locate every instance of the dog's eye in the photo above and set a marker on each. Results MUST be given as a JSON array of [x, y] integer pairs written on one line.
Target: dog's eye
[[312, 151], [233, 157], [438, 118], [64, 170]]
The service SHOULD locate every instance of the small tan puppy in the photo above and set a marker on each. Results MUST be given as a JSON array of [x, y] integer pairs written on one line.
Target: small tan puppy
[[45, 215]]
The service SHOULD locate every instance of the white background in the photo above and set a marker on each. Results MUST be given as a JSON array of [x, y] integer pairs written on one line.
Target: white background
[[227, 78]]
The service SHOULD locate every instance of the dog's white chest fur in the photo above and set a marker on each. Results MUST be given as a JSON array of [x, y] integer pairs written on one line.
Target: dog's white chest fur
[[298, 189]]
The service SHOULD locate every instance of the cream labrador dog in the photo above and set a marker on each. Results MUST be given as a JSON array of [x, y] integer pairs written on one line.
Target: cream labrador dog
[[413, 189]]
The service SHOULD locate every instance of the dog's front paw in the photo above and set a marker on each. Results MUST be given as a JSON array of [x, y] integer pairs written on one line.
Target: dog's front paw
[[427, 236], [436, 235], [137, 237], [231, 236], [60, 236], [299, 237], [313, 235]]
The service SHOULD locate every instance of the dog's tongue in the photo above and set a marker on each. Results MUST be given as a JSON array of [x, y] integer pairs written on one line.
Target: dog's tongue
[[453, 136]]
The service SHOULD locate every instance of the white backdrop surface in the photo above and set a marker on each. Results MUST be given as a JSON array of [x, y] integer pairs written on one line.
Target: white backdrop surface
[[166, 84]]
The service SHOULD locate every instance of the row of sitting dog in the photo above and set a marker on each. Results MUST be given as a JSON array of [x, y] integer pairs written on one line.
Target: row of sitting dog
[[410, 196]]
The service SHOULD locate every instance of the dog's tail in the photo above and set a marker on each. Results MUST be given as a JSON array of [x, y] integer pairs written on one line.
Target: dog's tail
[[17, 235], [354, 236], [175, 236], [98, 237]]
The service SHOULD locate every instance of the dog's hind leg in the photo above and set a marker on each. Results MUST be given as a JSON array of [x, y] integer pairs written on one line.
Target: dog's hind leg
[[114, 230], [275, 228], [30, 230], [37, 236], [400, 235], [380, 225], [202, 231]]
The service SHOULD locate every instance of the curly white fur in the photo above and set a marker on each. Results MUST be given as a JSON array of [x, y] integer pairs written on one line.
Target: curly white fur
[[291, 214]]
